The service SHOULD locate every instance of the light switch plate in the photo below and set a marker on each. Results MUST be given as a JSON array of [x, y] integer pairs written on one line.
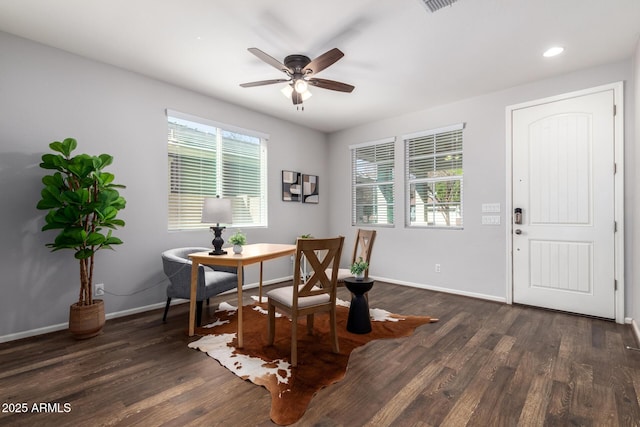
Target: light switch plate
[[490, 207], [490, 219]]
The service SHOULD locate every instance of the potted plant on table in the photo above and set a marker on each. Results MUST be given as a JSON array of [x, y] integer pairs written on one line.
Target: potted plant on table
[[358, 268], [238, 240], [82, 203]]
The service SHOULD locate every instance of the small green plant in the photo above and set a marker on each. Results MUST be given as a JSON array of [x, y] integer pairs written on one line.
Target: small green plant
[[302, 236], [238, 239], [359, 266]]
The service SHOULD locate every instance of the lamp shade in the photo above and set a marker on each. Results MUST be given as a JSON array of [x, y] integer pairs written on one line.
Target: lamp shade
[[215, 209]]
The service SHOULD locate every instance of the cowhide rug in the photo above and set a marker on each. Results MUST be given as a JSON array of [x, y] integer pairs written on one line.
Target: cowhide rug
[[268, 366]]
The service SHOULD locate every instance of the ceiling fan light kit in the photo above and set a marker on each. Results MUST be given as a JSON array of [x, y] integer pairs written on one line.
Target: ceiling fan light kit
[[300, 86], [288, 90], [300, 69]]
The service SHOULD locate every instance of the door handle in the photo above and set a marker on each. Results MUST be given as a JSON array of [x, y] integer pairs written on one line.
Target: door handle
[[518, 231], [517, 216]]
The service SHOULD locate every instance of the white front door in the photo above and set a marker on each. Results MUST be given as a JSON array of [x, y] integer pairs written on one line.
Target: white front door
[[563, 183]]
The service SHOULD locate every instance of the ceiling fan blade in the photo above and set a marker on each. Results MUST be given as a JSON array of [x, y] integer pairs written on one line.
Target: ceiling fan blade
[[264, 82], [323, 61], [270, 60], [331, 85]]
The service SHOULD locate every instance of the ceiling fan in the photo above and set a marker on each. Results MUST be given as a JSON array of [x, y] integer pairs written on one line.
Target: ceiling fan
[[300, 70]]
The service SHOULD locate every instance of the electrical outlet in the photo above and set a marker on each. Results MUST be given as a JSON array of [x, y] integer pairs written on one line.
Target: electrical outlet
[[99, 290], [437, 268]]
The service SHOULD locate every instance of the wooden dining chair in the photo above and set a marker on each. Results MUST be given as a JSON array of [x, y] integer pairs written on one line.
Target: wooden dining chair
[[361, 248], [317, 294]]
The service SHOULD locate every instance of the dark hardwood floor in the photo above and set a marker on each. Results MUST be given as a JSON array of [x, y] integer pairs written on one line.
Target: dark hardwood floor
[[483, 364]]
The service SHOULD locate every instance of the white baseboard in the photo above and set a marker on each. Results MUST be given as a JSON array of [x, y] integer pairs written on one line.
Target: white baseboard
[[61, 326], [443, 290], [33, 332], [114, 315]]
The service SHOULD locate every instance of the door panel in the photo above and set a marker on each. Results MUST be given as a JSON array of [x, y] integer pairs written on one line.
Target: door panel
[[560, 158], [563, 180], [561, 265]]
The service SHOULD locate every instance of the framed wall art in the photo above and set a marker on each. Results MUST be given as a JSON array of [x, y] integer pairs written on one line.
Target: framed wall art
[[291, 186], [310, 193]]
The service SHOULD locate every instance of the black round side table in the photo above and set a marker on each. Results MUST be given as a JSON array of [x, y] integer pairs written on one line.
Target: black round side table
[[358, 321]]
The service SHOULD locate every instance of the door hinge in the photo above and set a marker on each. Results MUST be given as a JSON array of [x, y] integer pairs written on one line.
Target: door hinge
[[615, 109], [615, 168], [615, 285], [615, 226]]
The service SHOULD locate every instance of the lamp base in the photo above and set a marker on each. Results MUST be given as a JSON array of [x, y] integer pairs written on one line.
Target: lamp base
[[217, 241]]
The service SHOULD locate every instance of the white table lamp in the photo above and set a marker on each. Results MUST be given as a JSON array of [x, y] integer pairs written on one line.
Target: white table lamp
[[217, 210]]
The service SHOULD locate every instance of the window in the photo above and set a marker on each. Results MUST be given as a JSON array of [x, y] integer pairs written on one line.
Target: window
[[433, 165], [206, 159], [372, 169]]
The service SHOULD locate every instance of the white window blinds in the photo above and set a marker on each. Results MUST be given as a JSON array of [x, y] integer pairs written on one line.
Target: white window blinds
[[433, 164], [372, 168], [207, 160]]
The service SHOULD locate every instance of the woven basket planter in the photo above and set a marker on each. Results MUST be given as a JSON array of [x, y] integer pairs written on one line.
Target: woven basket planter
[[86, 321]]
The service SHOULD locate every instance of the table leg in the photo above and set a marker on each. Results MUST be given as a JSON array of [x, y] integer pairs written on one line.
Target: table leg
[[192, 298], [260, 285], [240, 327]]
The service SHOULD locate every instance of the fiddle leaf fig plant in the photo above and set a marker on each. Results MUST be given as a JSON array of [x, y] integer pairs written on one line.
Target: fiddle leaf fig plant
[[83, 204]]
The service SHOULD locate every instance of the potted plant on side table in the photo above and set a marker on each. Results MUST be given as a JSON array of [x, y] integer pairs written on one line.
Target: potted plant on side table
[[358, 268], [82, 203], [238, 240]]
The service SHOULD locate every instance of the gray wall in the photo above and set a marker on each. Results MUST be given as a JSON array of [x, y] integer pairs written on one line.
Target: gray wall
[[473, 261], [46, 95]]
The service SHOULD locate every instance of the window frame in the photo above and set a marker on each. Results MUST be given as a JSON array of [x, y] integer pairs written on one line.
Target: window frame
[[435, 180], [254, 207], [390, 206]]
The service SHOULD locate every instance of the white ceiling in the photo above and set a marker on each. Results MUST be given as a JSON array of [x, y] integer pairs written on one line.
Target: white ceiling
[[398, 55]]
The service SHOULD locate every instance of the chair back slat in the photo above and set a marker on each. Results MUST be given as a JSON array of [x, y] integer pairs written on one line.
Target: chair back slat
[[321, 255]]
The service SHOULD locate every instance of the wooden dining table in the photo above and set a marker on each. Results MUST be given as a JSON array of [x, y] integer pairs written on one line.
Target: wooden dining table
[[251, 254]]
